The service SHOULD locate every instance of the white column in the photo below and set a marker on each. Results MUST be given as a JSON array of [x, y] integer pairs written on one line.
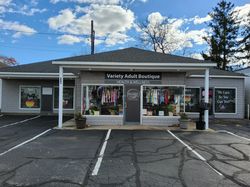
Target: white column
[[60, 109], [206, 119]]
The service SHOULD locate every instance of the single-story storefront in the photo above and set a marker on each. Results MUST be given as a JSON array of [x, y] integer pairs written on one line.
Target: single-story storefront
[[123, 86], [246, 71]]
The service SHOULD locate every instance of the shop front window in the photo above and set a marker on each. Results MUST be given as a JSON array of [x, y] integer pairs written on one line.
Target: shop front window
[[192, 99], [225, 100], [163, 100], [30, 97], [102, 100], [68, 98]]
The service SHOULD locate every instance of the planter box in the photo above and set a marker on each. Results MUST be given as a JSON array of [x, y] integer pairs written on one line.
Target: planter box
[[80, 123], [184, 123]]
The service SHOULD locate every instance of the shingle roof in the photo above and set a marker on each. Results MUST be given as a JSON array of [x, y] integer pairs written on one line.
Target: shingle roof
[[123, 55], [214, 71]]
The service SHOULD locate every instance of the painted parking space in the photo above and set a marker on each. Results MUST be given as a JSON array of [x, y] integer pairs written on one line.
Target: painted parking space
[[59, 158], [131, 158], [12, 136], [152, 158], [11, 119], [226, 153]]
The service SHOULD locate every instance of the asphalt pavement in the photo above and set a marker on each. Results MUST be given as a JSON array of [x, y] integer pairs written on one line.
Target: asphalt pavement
[[130, 157]]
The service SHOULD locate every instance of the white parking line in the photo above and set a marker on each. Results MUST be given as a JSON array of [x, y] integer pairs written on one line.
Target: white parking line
[[19, 122], [228, 132], [195, 152], [101, 154], [25, 142], [1, 115]]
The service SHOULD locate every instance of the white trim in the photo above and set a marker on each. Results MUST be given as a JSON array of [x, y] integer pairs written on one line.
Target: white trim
[[129, 64], [66, 109], [141, 105], [218, 76], [60, 97], [34, 75], [236, 104], [34, 109], [89, 84]]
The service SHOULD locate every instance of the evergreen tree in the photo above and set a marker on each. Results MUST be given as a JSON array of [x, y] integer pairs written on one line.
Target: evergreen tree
[[222, 41], [244, 44]]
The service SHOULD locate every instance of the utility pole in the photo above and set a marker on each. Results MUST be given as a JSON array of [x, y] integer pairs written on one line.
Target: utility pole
[[92, 38]]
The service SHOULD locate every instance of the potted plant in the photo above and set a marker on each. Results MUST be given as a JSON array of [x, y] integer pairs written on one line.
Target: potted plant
[[170, 109], [80, 120], [184, 121]]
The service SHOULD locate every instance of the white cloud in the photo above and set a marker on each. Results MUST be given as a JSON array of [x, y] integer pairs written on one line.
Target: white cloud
[[26, 10], [105, 2], [117, 38], [197, 56], [68, 39], [198, 20], [65, 17], [5, 2], [197, 36], [178, 37], [108, 21], [19, 29], [155, 18], [242, 12]]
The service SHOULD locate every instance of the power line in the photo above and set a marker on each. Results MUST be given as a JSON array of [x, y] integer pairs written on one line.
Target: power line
[[37, 49], [44, 33]]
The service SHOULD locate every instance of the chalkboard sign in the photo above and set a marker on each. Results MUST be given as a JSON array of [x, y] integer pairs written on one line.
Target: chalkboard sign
[[225, 100]]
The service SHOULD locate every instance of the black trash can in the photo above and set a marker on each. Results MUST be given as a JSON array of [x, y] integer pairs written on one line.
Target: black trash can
[[200, 125]]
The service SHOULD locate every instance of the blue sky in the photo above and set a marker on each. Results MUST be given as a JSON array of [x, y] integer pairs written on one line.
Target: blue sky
[[53, 29]]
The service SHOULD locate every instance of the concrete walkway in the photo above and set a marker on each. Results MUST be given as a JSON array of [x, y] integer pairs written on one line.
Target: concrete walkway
[[70, 125]]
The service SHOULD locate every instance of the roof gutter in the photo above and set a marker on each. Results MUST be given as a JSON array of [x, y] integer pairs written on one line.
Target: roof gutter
[[129, 64], [34, 75]]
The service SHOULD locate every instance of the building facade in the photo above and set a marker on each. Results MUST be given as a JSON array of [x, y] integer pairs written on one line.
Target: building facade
[[122, 87]]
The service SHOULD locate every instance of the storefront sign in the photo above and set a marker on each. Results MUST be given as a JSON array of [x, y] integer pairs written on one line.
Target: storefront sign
[[133, 77]]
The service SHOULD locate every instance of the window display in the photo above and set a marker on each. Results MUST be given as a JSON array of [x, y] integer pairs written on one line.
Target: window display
[[162, 100], [68, 98], [30, 97], [102, 100], [225, 100], [192, 98]]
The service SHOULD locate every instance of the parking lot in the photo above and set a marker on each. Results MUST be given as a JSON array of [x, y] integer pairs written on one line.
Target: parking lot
[[127, 158]]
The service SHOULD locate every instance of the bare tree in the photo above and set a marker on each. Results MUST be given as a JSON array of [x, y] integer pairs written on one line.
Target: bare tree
[[159, 35]]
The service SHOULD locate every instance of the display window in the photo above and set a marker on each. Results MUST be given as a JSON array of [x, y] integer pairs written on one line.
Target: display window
[[225, 100], [30, 97], [102, 100], [192, 99], [68, 97], [163, 100]]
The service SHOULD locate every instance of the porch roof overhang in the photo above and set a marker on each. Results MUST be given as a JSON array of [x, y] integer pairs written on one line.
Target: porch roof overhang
[[130, 66], [28, 75]]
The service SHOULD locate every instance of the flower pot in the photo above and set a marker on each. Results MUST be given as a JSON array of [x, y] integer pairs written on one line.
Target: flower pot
[[80, 123], [184, 123]]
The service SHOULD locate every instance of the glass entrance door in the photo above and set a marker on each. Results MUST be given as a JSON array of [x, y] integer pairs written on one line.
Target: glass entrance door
[[132, 105]]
